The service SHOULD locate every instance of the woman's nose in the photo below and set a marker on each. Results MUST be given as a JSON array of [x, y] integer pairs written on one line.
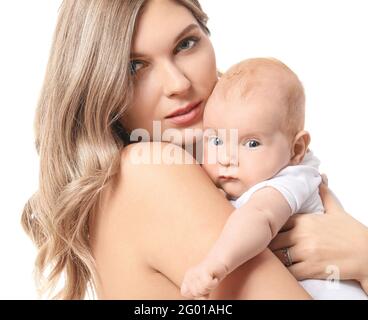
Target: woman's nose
[[174, 81]]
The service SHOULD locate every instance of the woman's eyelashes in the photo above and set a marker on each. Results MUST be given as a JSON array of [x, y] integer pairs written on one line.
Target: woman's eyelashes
[[184, 45], [133, 68]]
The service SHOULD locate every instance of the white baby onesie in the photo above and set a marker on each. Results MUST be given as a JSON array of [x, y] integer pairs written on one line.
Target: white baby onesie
[[299, 185]]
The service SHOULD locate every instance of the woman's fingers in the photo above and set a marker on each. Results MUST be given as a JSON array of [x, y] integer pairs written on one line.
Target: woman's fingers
[[290, 223], [364, 284], [304, 270], [324, 179], [300, 271], [283, 240], [294, 254], [330, 202]]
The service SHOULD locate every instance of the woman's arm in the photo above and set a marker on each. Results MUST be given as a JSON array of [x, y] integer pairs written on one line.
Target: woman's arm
[[179, 217], [320, 240]]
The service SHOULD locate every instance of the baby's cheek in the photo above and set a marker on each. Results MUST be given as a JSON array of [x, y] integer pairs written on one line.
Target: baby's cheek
[[265, 170], [252, 172], [211, 170]]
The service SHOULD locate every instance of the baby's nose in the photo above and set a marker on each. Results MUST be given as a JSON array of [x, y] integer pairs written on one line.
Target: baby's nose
[[226, 159], [223, 159]]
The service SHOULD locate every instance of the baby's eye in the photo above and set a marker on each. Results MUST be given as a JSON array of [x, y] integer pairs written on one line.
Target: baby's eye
[[252, 144], [135, 66], [215, 141]]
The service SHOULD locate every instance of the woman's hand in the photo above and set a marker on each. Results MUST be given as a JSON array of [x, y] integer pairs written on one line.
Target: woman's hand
[[321, 243]]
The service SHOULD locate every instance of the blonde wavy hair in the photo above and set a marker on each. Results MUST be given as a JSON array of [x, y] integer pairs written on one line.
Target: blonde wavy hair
[[79, 136]]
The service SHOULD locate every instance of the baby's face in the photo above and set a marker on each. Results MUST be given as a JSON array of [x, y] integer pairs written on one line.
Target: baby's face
[[261, 149]]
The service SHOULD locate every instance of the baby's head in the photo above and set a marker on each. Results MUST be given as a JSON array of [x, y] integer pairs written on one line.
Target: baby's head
[[263, 100]]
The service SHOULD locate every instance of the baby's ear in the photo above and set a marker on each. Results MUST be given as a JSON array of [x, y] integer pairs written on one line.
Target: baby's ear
[[300, 147]]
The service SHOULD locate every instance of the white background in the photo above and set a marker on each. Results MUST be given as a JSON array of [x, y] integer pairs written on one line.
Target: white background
[[324, 42]]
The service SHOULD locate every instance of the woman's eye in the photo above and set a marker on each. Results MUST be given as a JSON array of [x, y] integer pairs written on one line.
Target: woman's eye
[[135, 66], [186, 44], [252, 144], [215, 141]]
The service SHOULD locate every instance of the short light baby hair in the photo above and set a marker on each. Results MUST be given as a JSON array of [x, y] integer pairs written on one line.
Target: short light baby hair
[[274, 76]]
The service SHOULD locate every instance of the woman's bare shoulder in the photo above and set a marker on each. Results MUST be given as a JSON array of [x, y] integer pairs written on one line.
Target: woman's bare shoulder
[[179, 208], [175, 214], [155, 156]]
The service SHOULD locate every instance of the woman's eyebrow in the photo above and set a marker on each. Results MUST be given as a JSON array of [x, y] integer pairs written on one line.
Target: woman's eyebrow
[[186, 30]]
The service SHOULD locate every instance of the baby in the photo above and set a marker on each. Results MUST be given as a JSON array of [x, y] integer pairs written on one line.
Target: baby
[[256, 151]]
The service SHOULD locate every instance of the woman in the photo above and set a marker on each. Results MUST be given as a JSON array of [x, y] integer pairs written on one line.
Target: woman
[[132, 230]]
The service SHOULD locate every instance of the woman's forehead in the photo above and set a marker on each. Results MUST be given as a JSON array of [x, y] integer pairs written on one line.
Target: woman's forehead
[[159, 26]]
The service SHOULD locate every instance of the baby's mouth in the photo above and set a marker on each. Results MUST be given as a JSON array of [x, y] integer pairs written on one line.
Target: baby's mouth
[[227, 178]]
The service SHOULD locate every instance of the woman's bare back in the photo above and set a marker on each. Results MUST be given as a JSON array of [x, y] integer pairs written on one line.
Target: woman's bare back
[[122, 267]]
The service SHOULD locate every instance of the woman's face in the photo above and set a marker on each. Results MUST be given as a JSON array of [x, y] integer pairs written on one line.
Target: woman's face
[[175, 68]]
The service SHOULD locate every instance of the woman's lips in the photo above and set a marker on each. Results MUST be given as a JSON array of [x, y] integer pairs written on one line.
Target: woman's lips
[[188, 118]]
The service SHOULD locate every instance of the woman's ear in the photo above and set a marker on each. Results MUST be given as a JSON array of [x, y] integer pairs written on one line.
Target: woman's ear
[[300, 147]]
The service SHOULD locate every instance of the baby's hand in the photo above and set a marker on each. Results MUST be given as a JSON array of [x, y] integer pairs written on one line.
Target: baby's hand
[[200, 280]]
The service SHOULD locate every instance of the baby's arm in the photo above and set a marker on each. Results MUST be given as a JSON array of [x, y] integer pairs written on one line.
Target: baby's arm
[[247, 232]]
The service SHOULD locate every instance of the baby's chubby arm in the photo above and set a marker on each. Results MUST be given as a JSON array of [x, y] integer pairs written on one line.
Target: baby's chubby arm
[[250, 228], [247, 232]]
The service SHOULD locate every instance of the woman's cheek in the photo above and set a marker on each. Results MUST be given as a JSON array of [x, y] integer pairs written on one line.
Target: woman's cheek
[[208, 71], [141, 112], [202, 68]]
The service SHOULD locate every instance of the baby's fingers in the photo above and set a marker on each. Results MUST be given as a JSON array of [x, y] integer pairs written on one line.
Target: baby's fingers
[[184, 291], [191, 284], [198, 285], [204, 286]]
